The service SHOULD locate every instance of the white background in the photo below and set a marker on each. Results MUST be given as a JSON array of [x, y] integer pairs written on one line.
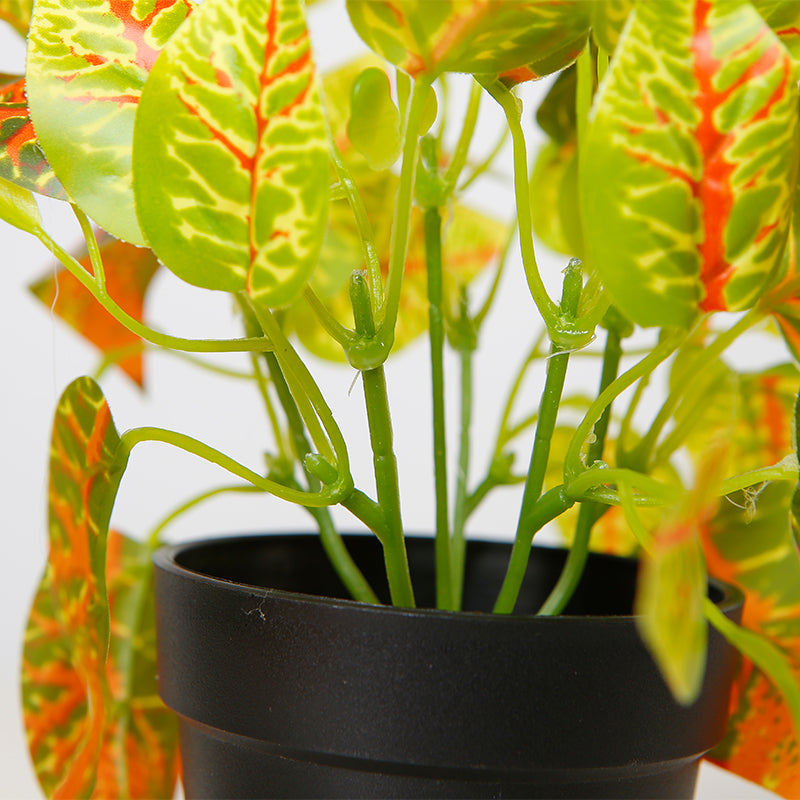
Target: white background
[[40, 356]]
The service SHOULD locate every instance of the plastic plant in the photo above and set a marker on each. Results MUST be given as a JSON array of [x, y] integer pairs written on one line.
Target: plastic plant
[[202, 139]]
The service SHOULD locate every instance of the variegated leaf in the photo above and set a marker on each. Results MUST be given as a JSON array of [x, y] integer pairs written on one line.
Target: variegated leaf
[[475, 36], [687, 170], [137, 757], [783, 16], [87, 63], [128, 271], [673, 582], [140, 753], [21, 158], [66, 698], [750, 543], [608, 20], [669, 604], [230, 152], [17, 13]]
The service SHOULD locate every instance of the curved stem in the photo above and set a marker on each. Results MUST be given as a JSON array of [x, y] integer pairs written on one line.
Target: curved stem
[[573, 465], [512, 109], [643, 453], [327, 496], [141, 330], [465, 139], [332, 326]]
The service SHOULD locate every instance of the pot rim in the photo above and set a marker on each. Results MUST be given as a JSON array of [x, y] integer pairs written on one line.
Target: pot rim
[[166, 559]]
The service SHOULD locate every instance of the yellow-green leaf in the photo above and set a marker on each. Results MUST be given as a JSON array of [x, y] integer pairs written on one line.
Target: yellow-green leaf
[[230, 152]]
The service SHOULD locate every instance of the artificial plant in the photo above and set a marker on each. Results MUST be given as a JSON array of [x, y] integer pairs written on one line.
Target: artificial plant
[[201, 137]]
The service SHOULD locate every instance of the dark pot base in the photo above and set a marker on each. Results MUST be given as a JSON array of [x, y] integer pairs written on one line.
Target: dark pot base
[[285, 692], [249, 766]]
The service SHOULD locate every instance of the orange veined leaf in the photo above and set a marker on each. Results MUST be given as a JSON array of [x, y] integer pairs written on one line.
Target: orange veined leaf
[[95, 725], [750, 544], [521, 38], [129, 271], [22, 161]]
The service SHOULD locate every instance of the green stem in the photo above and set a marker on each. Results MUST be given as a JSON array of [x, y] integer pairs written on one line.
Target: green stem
[[512, 108], [328, 495], [387, 485], [589, 512], [332, 326], [366, 236], [573, 465], [643, 454], [336, 550], [549, 506], [460, 501], [260, 344], [433, 251], [464, 140], [540, 453], [311, 403], [402, 216], [383, 457], [594, 482]]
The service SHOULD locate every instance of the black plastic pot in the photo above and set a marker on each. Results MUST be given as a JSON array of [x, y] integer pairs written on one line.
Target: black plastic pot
[[285, 692]]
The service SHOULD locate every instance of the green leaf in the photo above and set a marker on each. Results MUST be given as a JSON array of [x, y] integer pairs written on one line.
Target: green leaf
[[691, 154], [18, 207], [608, 20], [374, 128], [230, 151], [669, 599], [87, 63], [17, 13], [474, 36]]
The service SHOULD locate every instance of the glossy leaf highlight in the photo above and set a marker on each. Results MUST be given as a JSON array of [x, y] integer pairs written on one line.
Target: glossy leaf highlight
[[87, 63], [474, 36], [230, 153], [689, 161]]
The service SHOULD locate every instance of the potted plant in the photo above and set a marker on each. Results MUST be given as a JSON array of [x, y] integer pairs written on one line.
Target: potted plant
[[200, 137]]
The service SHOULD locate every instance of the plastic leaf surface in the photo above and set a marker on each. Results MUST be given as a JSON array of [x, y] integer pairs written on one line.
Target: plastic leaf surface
[[230, 153], [474, 36], [689, 160], [21, 158], [750, 543], [18, 207], [87, 63], [670, 593], [65, 697], [17, 13], [128, 270], [608, 20]]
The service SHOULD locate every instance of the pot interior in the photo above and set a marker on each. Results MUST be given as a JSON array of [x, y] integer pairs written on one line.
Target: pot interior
[[606, 589]]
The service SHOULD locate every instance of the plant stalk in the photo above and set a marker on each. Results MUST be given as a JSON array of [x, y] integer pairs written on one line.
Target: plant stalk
[[589, 512], [445, 597]]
